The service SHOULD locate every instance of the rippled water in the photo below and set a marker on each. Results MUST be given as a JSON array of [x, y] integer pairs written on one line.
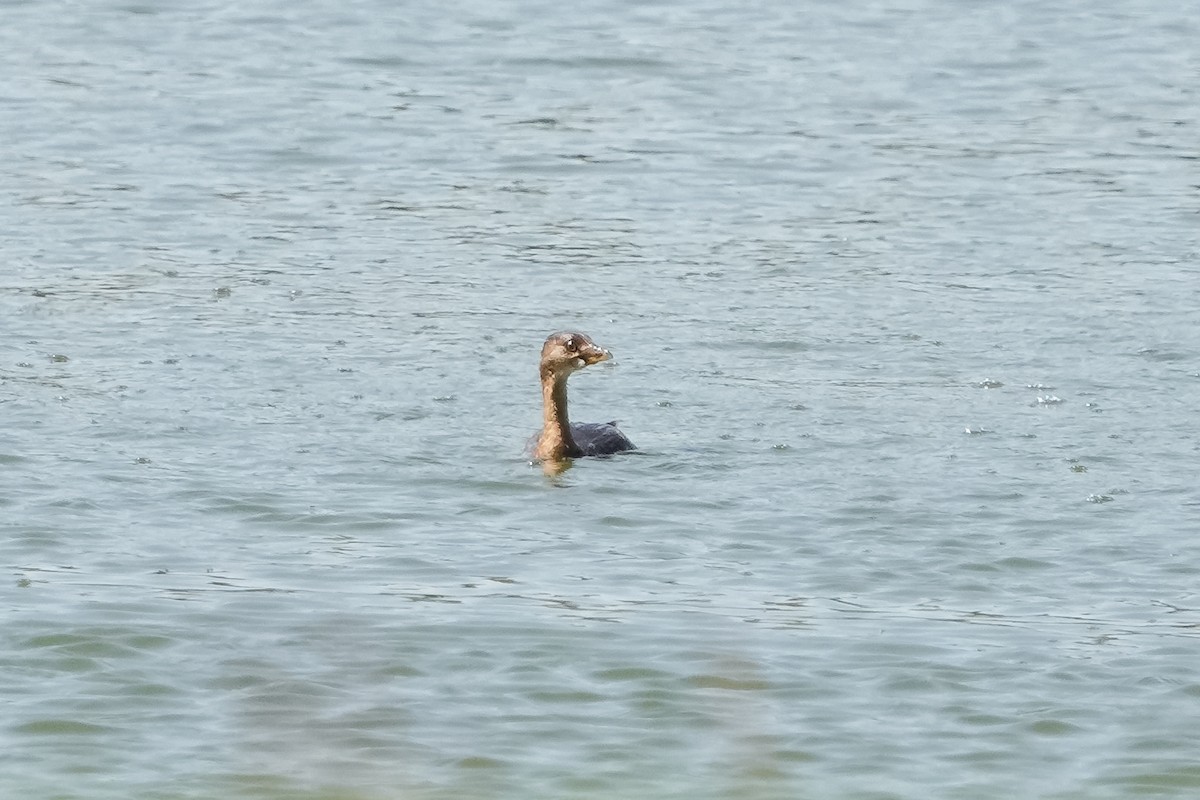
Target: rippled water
[[904, 303]]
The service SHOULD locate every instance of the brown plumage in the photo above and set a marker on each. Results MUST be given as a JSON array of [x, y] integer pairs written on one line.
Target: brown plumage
[[562, 354]]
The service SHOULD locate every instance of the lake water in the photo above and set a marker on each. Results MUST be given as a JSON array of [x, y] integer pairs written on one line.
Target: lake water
[[904, 303]]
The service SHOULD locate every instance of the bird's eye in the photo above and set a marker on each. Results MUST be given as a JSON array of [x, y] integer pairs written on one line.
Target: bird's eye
[[570, 344]]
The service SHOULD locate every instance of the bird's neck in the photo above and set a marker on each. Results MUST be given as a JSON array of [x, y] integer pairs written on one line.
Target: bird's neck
[[555, 442]]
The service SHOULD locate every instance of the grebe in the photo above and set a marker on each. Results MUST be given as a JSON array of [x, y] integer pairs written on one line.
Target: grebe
[[564, 353]]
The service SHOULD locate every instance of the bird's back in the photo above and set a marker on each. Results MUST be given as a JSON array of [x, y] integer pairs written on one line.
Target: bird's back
[[599, 438]]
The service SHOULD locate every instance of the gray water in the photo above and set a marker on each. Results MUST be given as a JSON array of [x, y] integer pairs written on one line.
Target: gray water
[[903, 297]]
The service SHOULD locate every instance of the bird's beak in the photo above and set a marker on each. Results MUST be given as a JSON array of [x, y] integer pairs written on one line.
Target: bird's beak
[[594, 355]]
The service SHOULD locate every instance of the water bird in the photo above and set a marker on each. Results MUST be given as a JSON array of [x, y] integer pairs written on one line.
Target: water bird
[[564, 353]]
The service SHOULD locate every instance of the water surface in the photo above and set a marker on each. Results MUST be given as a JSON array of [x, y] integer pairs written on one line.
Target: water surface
[[903, 301]]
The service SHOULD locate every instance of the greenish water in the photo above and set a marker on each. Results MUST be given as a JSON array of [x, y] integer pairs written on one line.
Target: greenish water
[[903, 303]]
